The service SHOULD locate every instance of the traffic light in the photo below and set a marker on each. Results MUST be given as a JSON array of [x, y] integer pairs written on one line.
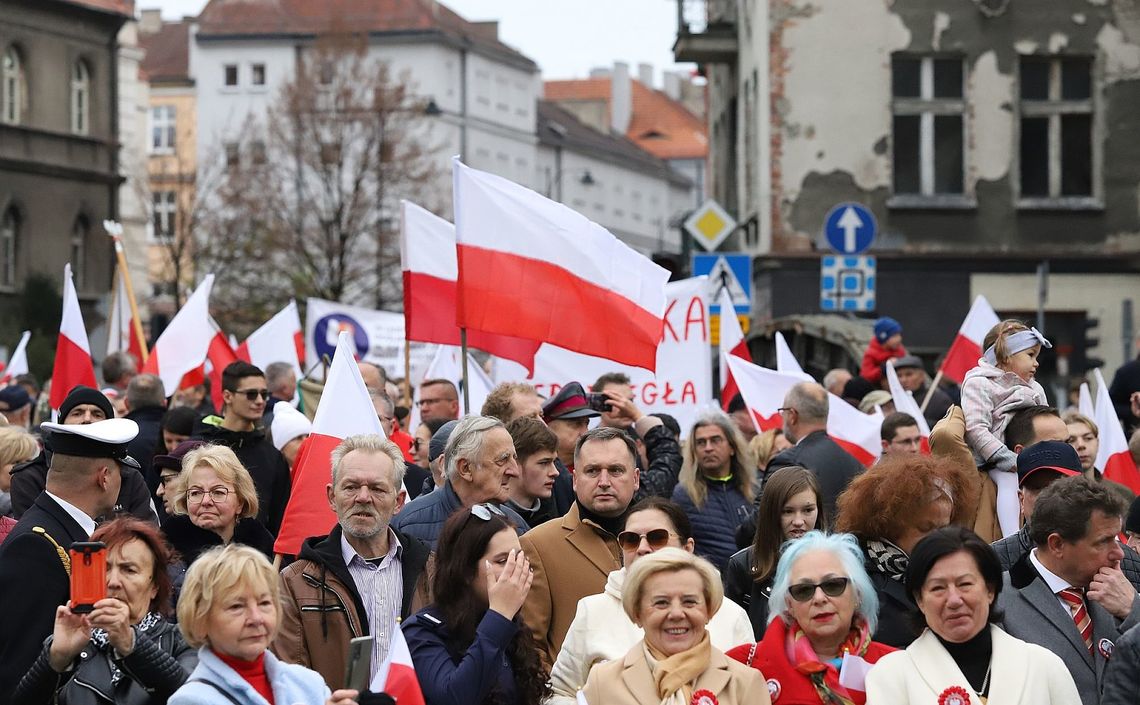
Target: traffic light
[[1082, 362]]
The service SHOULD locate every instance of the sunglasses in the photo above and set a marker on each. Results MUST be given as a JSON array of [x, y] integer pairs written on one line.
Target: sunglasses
[[832, 587], [484, 511], [656, 538], [253, 394]]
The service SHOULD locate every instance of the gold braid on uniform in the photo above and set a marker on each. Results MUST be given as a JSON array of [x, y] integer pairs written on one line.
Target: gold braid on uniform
[[66, 559]]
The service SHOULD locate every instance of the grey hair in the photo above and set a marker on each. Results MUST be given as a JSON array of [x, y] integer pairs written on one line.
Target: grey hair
[[466, 441], [830, 378], [810, 400], [845, 547], [145, 390], [275, 373], [371, 443], [382, 396]]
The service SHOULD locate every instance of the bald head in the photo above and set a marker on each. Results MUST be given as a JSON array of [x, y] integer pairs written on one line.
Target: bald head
[[805, 410], [374, 376]]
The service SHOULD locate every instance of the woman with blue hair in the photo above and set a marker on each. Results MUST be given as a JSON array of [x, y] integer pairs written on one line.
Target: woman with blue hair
[[822, 612]]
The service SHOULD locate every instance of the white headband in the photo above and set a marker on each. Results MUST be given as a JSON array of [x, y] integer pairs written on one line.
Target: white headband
[[1016, 342]]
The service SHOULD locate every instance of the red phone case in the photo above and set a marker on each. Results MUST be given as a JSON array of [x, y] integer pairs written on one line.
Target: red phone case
[[88, 575]]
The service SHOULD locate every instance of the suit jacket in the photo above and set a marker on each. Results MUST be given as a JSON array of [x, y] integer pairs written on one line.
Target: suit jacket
[[1033, 614], [834, 467], [571, 559], [1021, 674], [628, 681], [33, 582]]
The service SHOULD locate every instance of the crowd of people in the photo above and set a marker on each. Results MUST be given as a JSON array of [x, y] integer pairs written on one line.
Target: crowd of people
[[574, 548]]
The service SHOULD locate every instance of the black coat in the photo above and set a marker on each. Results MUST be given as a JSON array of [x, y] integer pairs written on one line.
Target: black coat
[[30, 478], [1124, 382], [898, 614], [33, 582], [265, 464], [741, 588], [834, 467], [414, 479], [664, 455], [191, 541], [145, 445], [940, 403]]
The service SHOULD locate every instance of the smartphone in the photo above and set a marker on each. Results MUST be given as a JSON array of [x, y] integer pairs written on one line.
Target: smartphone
[[88, 574], [359, 664], [598, 401]]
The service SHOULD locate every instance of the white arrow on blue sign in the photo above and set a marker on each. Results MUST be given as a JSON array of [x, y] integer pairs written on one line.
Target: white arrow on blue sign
[[850, 228]]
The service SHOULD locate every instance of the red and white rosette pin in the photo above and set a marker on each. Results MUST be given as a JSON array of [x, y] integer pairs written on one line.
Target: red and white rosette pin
[[704, 697], [954, 695]]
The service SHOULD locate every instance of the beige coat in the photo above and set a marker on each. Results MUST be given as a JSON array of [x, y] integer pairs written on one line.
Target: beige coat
[[948, 440], [628, 681]]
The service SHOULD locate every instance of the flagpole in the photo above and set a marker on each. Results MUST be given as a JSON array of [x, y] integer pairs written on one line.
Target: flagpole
[[466, 385], [408, 373], [930, 391], [115, 230]]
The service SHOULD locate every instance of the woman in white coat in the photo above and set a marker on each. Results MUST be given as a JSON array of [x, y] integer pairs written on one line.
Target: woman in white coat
[[963, 658]]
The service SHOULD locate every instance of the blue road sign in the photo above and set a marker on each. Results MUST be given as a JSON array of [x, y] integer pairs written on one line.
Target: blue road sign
[[850, 228], [729, 270], [847, 283]]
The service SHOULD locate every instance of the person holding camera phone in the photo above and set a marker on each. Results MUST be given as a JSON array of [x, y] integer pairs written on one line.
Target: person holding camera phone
[[82, 483]]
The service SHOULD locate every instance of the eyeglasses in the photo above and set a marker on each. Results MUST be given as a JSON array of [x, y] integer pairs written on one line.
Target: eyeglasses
[[253, 394], [427, 402], [417, 443], [197, 494], [656, 538], [484, 511], [832, 587], [167, 479]]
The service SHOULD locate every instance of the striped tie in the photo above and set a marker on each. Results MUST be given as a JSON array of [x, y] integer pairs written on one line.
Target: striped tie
[[1075, 599]]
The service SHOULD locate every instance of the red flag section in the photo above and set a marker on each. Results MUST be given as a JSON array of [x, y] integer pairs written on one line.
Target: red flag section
[[122, 333], [397, 675], [967, 346], [182, 346], [73, 365], [732, 342], [1113, 457]]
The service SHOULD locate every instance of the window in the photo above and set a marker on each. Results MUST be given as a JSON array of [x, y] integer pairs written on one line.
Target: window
[[163, 210], [162, 124], [80, 97], [1056, 151], [79, 252], [233, 155], [257, 75], [9, 234], [12, 87], [929, 126], [257, 152], [231, 74]]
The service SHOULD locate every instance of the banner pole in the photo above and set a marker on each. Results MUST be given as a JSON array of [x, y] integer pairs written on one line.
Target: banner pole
[[930, 391], [116, 231], [466, 385]]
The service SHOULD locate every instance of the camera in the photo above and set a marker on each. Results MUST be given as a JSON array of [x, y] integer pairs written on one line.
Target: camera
[[599, 402]]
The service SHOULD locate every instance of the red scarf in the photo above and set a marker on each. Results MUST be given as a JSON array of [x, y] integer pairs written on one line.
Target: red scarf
[[825, 676], [252, 671]]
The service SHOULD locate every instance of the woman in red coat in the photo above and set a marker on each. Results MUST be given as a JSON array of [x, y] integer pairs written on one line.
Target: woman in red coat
[[817, 648]]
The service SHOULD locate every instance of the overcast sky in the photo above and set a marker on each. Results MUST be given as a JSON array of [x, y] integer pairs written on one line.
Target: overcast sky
[[566, 37]]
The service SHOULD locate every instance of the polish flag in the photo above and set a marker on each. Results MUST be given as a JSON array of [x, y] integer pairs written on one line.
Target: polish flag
[[535, 269], [966, 349], [18, 362], [1113, 457], [122, 333], [280, 339], [345, 410], [764, 391], [182, 347], [905, 403], [732, 342], [397, 675], [786, 362], [428, 260], [73, 365]]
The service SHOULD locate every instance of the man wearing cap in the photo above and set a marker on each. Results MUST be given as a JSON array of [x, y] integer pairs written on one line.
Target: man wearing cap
[[568, 414], [1068, 594], [83, 483], [886, 344], [16, 405], [83, 405], [912, 376]]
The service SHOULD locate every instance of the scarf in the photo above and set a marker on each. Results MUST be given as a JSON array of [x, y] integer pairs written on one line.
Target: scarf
[[676, 674], [103, 643], [825, 676], [888, 559]]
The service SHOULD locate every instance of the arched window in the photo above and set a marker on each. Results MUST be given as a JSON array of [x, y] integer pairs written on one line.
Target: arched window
[[80, 97], [12, 87], [9, 234], [79, 252]]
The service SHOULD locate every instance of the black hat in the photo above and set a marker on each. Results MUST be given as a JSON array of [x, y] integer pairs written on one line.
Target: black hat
[[173, 459], [85, 395], [569, 403], [102, 439], [1132, 521], [14, 397], [1057, 456], [439, 439], [857, 388]]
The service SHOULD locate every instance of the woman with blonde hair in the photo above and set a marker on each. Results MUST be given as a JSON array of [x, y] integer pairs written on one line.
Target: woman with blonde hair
[[764, 446], [16, 446]]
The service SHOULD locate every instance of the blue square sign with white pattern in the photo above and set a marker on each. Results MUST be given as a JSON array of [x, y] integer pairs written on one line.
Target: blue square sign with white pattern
[[847, 283]]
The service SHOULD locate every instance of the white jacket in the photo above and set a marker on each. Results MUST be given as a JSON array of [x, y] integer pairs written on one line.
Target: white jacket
[[601, 631]]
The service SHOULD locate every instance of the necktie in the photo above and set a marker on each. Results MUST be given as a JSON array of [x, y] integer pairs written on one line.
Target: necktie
[[1074, 598]]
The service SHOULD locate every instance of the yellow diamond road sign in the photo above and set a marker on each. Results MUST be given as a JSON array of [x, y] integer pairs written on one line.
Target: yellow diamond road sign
[[710, 225]]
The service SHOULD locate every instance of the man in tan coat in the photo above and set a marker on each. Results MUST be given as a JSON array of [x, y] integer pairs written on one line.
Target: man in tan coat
[[571, 556]]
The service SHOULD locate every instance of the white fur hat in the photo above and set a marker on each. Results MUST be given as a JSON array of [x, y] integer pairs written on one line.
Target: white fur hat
[[288, 423]]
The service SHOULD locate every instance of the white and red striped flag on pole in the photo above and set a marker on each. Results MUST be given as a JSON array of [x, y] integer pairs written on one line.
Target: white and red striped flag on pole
[[397, 675], [73, 365], [532, 268], [1113, 457], [731, 342], [428, 261], [905, 403], [345, 410], [218, 356], [966, 349], [183, 345], [18, 360], [280, 339], [122, 333]]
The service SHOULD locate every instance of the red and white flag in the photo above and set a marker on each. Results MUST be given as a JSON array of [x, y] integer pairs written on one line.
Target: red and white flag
[[732, 342], [906, 403], [966, 349], [532, 268], [73, 365], [786, 362], [1085, 404], [183, 345], [122, 333], [397, 675], [280, 339], [345, 410], [428, 260], [1113, 457], [18, 362]]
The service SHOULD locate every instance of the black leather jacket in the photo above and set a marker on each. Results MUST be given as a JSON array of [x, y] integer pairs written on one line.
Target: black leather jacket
[[159, 664], [741, 588]]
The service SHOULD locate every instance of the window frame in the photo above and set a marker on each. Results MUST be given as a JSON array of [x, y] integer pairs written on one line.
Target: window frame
[[169, 126], [77, 251], [225, 75], [9, 246], [253, 69], [164, 207], [13, 87], [80, 97]]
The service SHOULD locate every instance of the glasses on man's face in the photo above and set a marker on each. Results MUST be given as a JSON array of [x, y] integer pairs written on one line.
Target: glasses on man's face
[[196, 495], [165, 480], [418, 443], [832, 587], [428, 402], [253, 394], [656, 538], [484, 511]]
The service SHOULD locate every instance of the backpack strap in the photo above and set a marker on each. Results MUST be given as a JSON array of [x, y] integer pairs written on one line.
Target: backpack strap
[[66, 559], [216, 687]]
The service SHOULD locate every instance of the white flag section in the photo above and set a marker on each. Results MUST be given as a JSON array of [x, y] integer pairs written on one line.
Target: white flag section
[[448, 364], [1085, 402], [1113, 457], [275, 341], [18, 362], [375, 336], [904, 400], [183, 345], [786, 362], [682, 385]]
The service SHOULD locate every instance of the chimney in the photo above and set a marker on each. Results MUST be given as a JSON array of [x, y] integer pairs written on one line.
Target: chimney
[[621, 99], [645, 74], [150, 21], [673, 85], [600, 73], [488, 29]]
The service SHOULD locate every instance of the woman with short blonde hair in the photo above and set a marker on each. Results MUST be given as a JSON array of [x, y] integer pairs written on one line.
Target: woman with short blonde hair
[[16, 446]]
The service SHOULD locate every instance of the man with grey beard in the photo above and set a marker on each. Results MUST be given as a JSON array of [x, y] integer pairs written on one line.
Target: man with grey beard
[[361, 579]]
